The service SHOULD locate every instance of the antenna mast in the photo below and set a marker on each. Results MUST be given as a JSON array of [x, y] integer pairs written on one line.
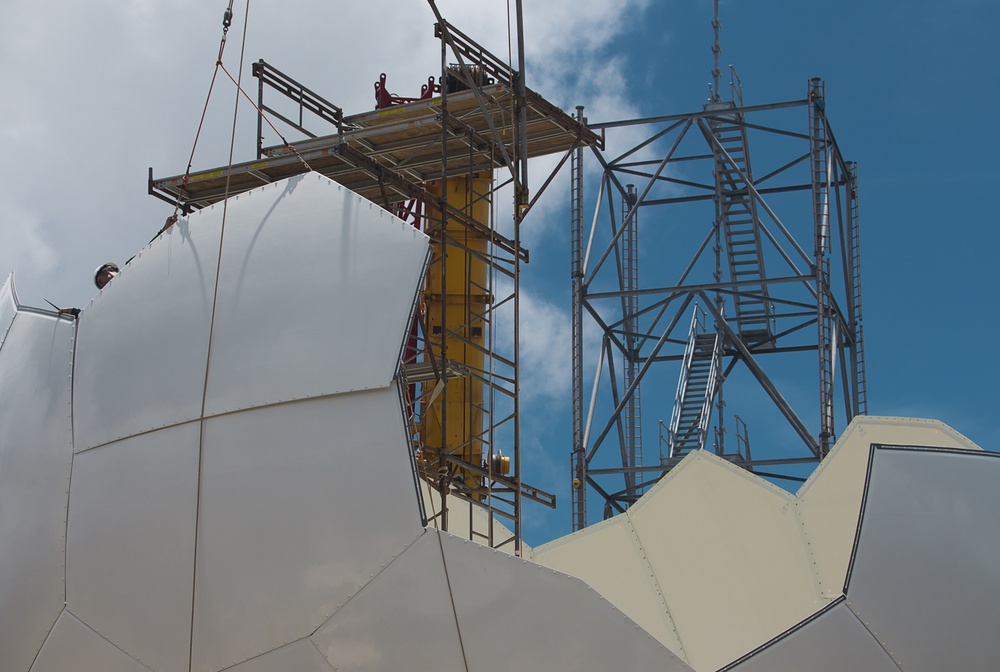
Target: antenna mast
[[716, 50]]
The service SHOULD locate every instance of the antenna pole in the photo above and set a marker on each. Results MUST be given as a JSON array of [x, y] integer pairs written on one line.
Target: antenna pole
[[716, 50], [522, 96]]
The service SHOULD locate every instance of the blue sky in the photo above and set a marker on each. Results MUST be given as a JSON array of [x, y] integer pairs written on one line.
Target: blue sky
[[95, 94], [912, 88]]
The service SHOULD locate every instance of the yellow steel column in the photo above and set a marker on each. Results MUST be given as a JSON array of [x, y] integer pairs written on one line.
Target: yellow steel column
[[456, 296]]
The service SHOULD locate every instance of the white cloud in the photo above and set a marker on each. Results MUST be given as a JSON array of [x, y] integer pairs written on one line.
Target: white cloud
[[24, 238], [545, 348], [95, 93]]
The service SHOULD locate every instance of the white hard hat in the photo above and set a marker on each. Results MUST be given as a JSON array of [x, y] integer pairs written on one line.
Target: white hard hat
[[110, 265]]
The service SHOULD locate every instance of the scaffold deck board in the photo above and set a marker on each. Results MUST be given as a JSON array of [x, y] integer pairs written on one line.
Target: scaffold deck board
[[385, 155]]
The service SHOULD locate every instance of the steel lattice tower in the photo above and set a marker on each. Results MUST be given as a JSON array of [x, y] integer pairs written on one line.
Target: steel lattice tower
[[731, 295]]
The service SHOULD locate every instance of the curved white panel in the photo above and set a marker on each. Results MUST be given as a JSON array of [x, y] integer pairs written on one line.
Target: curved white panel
[[130, 553], [925, 577], [832, 641], [314, 292], [143, 341], [36, 452], [516, 615], [301, 504], [8, 306], [73, 647], [300, 656], [402, 620]]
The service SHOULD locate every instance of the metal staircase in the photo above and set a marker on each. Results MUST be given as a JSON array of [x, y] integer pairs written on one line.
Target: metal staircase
[[695, 389], [738, 218]]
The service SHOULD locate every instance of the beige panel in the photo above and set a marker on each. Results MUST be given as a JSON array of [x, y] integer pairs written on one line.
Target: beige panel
[[726, 550], [608, 557], [73, 647], [470, 522], [830, 501]]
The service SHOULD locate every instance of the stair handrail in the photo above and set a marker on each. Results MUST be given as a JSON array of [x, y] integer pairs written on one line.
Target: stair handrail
[[706, 408], [697, 327]]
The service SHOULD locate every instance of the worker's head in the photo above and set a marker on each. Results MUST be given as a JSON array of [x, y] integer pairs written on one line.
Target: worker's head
[[104, 274]]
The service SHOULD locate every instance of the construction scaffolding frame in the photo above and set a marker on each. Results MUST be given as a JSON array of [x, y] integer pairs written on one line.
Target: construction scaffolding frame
[[433, 160], [720, 236]]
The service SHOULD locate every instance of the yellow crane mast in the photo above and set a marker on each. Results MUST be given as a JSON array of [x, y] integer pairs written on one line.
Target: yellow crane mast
[[456, 300]]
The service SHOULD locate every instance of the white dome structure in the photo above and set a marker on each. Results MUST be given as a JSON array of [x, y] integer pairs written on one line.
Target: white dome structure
[[209, 470]]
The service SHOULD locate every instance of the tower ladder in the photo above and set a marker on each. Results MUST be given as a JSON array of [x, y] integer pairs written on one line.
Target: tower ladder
[[861, 389], [826, 340], [631, 365], [741, 226]]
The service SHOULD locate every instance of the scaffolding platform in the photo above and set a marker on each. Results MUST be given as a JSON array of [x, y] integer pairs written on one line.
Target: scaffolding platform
[[387, 155], [477, 125]]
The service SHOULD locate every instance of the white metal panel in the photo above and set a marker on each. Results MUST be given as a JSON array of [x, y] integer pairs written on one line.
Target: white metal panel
[[832, 641], [925, 577], [300, 656], [143, 341], [830, 501], [610, 559], [301, 505], [130, 548], [516, 615], [315, 289], [726, 550], [73, 647], [36, 453], [8, 306], [402, 620]]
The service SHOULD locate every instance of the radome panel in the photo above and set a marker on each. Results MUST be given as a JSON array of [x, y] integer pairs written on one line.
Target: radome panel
[[317, 284], [36, 454], [143, 343]]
